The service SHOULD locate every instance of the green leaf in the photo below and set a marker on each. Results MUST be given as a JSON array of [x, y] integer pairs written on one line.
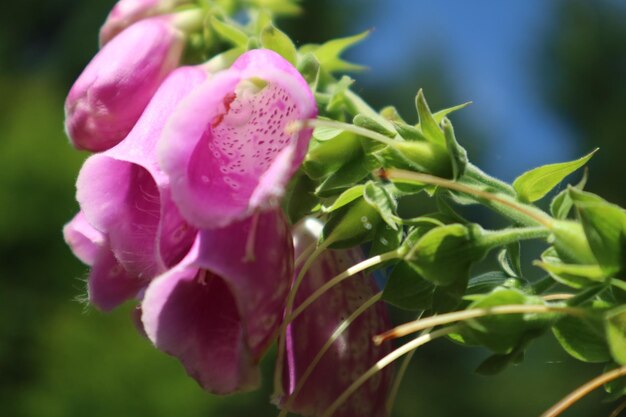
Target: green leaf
[[616, 333], [448, 297], [279, 7], [617, 387], [497, 363], [386, 239], [391, 113], [583, 339], [509, 260], [562, 204], [337, 96], [536, 183], [409, 132], [329, 53], [485, 283], [441, 114], [346, 197], [351, 225], [407, 290], [309, 67], [300, 198], [428, 124], [572, 275], [276, 40], [229, 32], [458, 155], [605, 227], [350, 173], [445, 254], [379, 198], [571, 244], [326, 157], [502, 333], [373, 125]]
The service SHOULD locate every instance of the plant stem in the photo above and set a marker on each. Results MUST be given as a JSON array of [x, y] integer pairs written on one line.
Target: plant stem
[[384, 362], [585, 389], [463, 315], [280, 354], [475, 173], [355, 269], [531, 213], [492, 239], [365, 109], [336, 334]]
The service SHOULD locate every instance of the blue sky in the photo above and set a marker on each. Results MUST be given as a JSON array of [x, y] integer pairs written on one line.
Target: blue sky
[[490, 50]]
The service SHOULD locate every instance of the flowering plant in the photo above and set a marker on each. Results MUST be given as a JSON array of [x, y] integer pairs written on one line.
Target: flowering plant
[[237, 180]]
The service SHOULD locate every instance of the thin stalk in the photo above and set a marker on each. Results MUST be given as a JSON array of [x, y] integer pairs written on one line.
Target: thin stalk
[[332, 124], [353, 270], [433, 321], [492, 239], [363, 108], [336, 334], [536, 215], [384, 362], [278, 370], [621, 407], [395, 388], [472, 171], [585, 389], [557, 297]]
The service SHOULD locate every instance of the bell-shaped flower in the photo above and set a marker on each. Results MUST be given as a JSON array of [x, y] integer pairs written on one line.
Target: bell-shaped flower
[[112, 92], [351, 354], [227, 150], [125, 195], [127, 12], [109, 284], [220, 308]]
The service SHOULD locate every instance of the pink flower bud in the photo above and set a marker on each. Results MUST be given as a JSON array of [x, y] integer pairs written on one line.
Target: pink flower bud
[[108, 97], [219, 309], [127, 12], [349, 356], [227, 150]]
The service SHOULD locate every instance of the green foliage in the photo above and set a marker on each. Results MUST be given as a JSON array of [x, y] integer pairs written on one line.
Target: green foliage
[[276, 40], [616, 333], [329, 53], [536, 183]]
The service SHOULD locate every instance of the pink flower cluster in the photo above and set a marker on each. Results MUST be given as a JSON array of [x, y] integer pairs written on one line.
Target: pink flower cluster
[[179, 208]]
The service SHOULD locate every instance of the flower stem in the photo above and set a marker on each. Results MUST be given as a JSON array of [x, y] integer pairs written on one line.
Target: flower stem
[[336, 334], [463, 315], [585, 389], [531, 216], [353, 270], [278, 370], [475, 173], [384, 362], [492, 239]]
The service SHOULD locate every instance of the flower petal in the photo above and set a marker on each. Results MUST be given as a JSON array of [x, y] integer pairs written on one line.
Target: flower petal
[[192, 315], [124, 193], [226, 148], [255, 259]]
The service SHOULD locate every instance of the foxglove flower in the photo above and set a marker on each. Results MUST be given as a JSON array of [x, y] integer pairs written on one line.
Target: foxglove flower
[[109, 284], [127, 12], [126, 196], [110, 95], [349, 356], [218, 310], [226, 149]]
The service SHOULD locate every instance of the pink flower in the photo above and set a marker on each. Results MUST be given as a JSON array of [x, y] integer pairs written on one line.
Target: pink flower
[[109, 284], [352, 354], [226, 149], [127, 12], [124, 194], [109, 96], [219, 309]]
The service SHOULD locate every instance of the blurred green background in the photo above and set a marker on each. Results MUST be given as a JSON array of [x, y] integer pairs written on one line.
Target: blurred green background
[[61, 358]]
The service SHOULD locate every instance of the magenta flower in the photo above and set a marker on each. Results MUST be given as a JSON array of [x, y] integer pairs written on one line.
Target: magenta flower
[[226, 149], [109, 96], [127, 12], [352, 354], [219, 309], [126, 196], [109, 284]]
